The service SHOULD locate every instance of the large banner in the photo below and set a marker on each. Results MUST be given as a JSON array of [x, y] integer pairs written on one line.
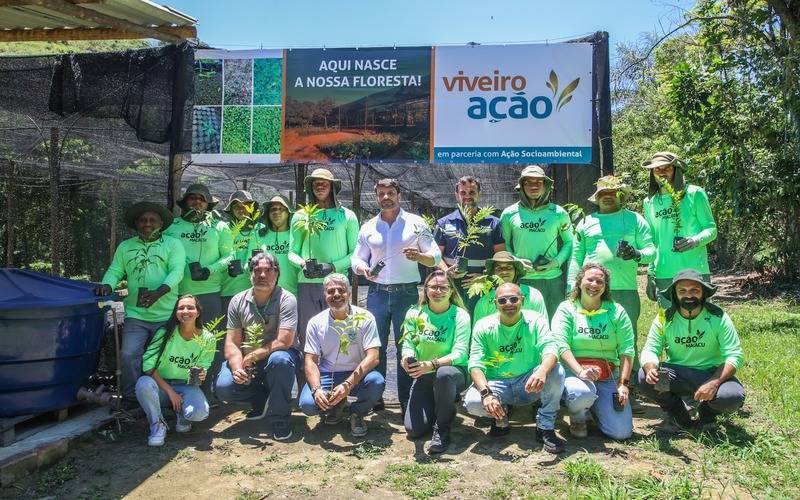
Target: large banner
[[357, 104], [238, 101], [516, 103]]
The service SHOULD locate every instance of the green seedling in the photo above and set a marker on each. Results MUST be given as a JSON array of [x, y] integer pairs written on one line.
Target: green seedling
[[484, 284], [142, 259], [310, 221], [413, 327], [207, 345], [347, 329], [676, 197]]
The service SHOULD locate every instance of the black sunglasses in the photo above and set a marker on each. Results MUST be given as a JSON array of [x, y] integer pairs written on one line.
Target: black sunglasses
[[511, 300]]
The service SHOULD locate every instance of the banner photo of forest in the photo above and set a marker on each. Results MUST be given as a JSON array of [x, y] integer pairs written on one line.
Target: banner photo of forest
[[349, 104]]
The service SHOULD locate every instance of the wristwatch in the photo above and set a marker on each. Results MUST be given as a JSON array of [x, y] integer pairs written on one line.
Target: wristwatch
[[315, 389], [486, 392]]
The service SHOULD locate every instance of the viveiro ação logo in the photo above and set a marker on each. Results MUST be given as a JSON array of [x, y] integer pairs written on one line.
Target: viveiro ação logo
[[514, 101]]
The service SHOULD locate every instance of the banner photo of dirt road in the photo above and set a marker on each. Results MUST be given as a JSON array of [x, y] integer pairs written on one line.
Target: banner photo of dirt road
[[357, 104]]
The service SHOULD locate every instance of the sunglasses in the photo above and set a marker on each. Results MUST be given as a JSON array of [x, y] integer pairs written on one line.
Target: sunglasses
[[511, 300]]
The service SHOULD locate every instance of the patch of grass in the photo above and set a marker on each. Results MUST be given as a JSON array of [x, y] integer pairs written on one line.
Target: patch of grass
[[248, 494], [186, 456], [271, 458], [585, 471], [331, 461], [362, 485], [505, 487], [368, 450], [236, 469], [298, 467], [57, 476], [303, 490], [417, 480]]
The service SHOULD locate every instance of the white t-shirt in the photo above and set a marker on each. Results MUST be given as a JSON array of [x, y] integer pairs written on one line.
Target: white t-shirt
[[324, 336]]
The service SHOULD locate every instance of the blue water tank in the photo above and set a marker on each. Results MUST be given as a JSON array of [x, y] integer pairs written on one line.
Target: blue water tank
[[50, 334]]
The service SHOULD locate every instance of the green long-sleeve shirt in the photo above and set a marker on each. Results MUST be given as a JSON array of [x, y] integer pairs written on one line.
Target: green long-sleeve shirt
[[503, 352], [243, 244], [696, 220], [335, 245], [179, 355], [277, 243], [148, 265], [705, 342], [446, 333], [596, 239], [208, 242], [605, 333], [529, 233], [534, 301]]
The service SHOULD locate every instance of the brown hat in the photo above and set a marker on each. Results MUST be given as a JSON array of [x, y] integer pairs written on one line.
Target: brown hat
[[521, 266], [534, 171], [663, 159], [134, 211], [608, 183], [203, 191], [325, 175]]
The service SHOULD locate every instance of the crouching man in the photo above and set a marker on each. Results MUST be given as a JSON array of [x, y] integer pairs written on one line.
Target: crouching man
[[702, 354], [262, 352], [341, 352], [513, 362]]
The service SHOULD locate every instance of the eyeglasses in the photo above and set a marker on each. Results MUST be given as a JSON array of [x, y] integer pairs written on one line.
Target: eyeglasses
[[439, 288], [511, 300]]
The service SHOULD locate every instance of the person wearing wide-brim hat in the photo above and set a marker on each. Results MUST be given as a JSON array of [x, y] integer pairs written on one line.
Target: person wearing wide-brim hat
[[702, 350], [208, 243], [531, 228], [243, 223], [681, 220], [510, 270], [617, 238], [274, 238], [317, 253], [153, 263]]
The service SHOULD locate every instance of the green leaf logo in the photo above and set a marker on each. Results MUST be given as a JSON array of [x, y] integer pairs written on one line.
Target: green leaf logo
[[566, 95], [552, 84]]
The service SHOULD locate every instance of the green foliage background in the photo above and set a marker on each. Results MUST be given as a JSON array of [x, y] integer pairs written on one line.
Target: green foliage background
[[236, 129], [266, 129]]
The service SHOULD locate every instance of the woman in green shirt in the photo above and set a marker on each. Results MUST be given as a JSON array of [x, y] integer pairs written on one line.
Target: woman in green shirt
[[595, 344], [176, 348], [435, 351], [510, 269], [274, 238]]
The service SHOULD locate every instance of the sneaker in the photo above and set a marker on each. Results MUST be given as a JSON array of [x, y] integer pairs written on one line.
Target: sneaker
[[680, 416], [334, 415], [282, 432], [440, 441], [358, 428], [158, 432], [379, 406], [577, 429], [257, 412], [707, 418], [183, 426], [552, 443]]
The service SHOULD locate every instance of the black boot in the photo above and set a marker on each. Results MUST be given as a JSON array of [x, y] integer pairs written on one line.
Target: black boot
[[680, 415], [552, 443], [440, 440], [707, 416]]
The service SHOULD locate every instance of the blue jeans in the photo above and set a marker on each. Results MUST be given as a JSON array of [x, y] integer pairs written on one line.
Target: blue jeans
[[684, 382], [512, 392], [272, 385], [581, 396], [136, 334], [194, 407], [389, 309], [367, 391]]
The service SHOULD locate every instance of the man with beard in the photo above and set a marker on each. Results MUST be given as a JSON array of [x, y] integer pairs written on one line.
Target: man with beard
[[153, 264], [341, 352], [702, 354], [331, 248], [390, 247], [453, 225], [263, 375], [531, 229]]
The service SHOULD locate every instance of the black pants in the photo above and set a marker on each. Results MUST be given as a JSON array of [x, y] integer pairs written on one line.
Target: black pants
[[684, 381], [433, 400]]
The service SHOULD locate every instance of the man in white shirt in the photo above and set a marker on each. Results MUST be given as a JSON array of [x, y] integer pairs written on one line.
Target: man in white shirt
[[389, 248]]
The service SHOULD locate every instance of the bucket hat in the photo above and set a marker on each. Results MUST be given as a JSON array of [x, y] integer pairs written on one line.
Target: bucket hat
[[325, 175], [521, 266], [534, 171], [241, 196], [689, 274], [609, 183], [663, 159], [134, 211], [203, 191], [280, 199]]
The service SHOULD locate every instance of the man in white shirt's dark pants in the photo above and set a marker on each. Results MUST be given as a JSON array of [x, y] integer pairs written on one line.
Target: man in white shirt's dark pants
[[389, 247]]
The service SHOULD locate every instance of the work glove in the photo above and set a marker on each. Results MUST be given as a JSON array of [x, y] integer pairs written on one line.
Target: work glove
[[149, 298], [686, 244], [326, 269], [626, 252], [235, 268], [201, 274], [546, 264], [651, 290]]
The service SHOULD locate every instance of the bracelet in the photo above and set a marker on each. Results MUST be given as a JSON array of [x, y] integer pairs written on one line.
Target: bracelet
[[435, 363], [315, 389], [348, 385]]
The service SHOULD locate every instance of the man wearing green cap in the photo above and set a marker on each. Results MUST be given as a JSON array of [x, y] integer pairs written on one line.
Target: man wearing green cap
[[531, 229], [244, 229], [702, 354], [153, 264], [316, 255], [209, 249], [510, 270], [617, 238], [680, 217], [274, 238]]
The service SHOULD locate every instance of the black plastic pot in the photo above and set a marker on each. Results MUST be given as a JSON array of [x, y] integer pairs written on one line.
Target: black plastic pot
[[235, 268], [621, 245], [196, 271], [677, 241], [462, 264], [663, 384], [194, 375]]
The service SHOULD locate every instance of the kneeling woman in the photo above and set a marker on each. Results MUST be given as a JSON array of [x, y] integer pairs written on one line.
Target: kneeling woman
[[435, 354], [166, 364], [510, 269], [595, 340]]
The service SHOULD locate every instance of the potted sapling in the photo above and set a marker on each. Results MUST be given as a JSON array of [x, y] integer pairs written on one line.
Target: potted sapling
[[676, 197], [472, 235], [254, 339], [251, 216], [483, 284], [207, 345], [310, 223], [347, 331]]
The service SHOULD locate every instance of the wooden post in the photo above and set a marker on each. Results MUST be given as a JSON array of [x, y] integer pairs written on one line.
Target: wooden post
[[55, 201], [11, 211], [175, 172], [299, 179]]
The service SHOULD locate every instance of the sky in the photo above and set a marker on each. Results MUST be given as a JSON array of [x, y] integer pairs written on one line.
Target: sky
[[248, 24]]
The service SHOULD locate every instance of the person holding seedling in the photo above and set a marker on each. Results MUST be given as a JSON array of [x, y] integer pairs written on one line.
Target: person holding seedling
[[262, 352], [322, 238], [467, 237], [702, 354], [504, 268], [243, 215], [513, 362], [682, 224], [435, 350], [389, 250], [595, 344], [153, 264], [274, 238], [341, 352], [617, 238], [174, 365], [209, 249], [531, 229]]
